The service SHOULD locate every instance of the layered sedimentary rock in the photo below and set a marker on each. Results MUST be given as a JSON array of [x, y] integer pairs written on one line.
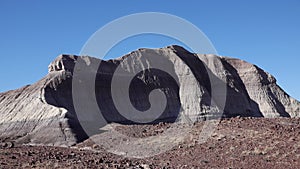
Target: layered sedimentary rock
[[145, 86]]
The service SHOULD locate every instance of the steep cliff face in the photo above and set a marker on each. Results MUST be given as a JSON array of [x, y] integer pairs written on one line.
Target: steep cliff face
[[191, 87], [271, 100]]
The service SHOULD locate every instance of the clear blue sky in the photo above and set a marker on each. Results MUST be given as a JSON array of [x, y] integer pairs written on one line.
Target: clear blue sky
[[33, 33]]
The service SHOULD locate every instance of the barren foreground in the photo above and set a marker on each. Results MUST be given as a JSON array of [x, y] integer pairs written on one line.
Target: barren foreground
[[236, 143]]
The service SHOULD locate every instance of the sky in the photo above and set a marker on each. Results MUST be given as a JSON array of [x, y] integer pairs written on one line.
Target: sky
[[33, 33]]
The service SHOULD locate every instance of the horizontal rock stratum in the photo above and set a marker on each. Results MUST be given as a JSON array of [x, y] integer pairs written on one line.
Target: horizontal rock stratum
[[191, 87]]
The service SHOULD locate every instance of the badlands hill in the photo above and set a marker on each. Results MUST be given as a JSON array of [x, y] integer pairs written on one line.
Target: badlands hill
[[195, 87]]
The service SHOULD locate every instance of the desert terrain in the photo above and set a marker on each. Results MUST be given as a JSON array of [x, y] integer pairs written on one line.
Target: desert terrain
[[236, 143]]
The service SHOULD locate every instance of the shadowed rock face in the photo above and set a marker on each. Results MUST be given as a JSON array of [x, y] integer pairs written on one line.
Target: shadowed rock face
[[46, 113]]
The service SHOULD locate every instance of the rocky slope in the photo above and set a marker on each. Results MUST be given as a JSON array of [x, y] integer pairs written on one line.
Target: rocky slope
[[236, 143], [192, 87]]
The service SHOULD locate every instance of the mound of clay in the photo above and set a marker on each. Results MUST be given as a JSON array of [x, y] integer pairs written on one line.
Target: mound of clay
[[57, 109]]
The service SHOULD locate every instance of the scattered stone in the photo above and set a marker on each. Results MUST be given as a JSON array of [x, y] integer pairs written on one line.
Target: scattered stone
[[7, 145]]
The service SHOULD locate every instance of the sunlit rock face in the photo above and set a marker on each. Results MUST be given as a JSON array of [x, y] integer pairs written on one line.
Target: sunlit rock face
[[145, 86]]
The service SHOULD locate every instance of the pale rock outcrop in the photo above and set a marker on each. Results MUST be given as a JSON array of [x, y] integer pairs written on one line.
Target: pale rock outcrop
[[44, 112]]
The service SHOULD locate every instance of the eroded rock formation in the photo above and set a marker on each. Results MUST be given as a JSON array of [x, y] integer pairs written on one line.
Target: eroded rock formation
[[192, 84]]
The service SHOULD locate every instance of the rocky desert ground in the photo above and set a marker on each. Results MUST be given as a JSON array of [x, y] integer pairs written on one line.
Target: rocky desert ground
[[236, 143]]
